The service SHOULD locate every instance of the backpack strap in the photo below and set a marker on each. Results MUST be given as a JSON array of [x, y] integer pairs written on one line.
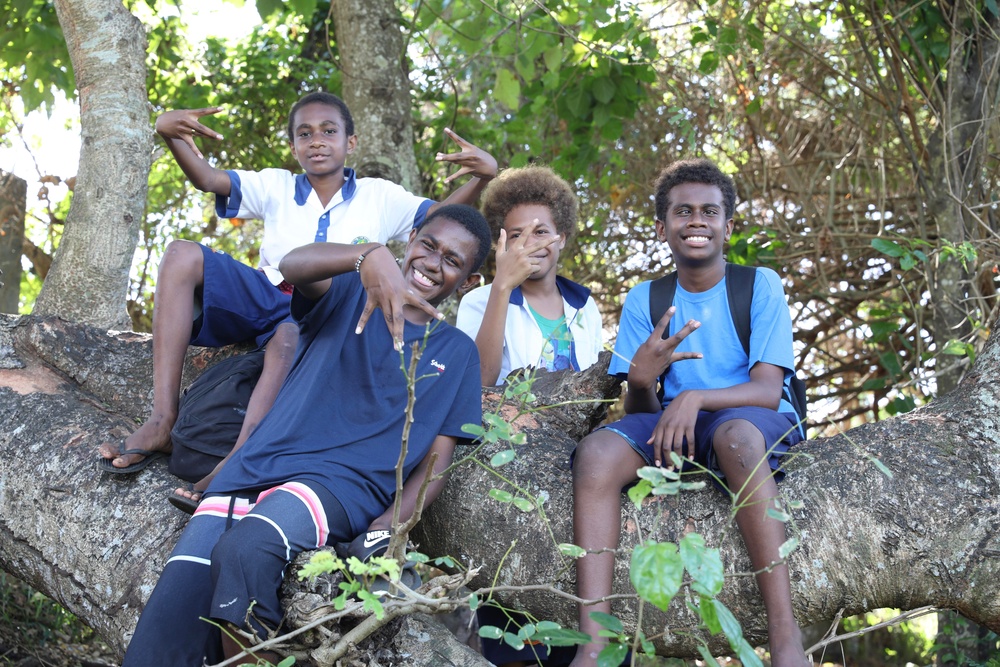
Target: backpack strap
[[661, 295], [739, 291]]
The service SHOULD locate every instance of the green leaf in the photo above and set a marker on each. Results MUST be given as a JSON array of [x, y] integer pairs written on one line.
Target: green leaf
[[907, 262], [748, 657], [637, 492], [778, 515], [501, 496], [502, 458], [656, 572], [572, 550], [790, 545], [705, 655], [607, 621], [706, 610], [612, 655], [603, 89], [473, 429], [490, 632], [552, 57], [730, 626], [956, 348], [887, 247], [754, 106], [578, 100], [507, 89], [703, 564], [527, 631], [561, 636], [513, 640], [523, 504], [612, 130], [709, 62], [287, 662]]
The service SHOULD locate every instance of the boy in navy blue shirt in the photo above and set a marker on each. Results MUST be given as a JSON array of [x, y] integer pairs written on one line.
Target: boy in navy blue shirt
[[720, 407], [321, 466]]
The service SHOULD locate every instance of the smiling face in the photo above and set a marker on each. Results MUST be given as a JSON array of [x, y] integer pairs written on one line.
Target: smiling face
[[319, 141], [696, 227], [439, 259], [520, 220]]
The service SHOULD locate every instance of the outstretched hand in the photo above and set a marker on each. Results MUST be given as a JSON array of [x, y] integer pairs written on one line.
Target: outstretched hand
[[184, 124], [473, 160], [655, 356], [515, 263], [387, 290]]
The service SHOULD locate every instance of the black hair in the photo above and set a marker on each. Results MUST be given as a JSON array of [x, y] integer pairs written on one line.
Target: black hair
[[531, 185], [328, 99], [693, 171], [473, 221]]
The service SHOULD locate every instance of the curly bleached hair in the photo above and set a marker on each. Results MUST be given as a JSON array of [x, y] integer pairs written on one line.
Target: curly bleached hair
[[531, 185]]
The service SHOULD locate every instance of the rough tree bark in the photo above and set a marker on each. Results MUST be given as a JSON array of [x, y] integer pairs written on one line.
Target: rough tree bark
[[926, 535], [377, 88], [13, 191], [88, 281]]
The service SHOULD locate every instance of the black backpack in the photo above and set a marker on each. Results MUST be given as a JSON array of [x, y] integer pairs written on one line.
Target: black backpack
[[739, 291], [210, 415]]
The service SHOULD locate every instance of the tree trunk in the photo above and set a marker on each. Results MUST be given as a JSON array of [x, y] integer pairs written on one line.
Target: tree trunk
[[927, 535], [88, 281], [377, 88], [13, 193]]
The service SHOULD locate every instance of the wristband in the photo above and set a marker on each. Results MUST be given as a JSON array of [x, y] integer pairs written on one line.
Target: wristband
[[361, 258]]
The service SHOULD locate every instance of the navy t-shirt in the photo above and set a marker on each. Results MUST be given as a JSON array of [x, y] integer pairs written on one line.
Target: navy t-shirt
[[338, 419]]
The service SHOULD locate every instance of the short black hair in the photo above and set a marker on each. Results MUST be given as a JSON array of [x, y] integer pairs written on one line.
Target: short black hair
[[328, 99], [693, 171], [531, 185], [473, 221]]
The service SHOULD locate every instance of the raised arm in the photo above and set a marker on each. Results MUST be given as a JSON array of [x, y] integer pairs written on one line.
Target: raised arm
[[178, 129], [311, 267], [473, 160], [514, 266]]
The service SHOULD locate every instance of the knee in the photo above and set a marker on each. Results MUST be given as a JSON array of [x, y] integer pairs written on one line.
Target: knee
[[738, 440], [597, 458], [183, 259]]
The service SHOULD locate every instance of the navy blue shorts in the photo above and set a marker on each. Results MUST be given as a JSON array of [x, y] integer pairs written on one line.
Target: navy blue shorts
[[228, 566], [778, 430], [238, 303]]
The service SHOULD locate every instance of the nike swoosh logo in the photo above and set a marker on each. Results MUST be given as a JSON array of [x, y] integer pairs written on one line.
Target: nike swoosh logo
[[371, 543]]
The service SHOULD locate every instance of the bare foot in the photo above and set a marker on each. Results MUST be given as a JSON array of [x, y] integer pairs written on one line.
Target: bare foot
[[153, 436]]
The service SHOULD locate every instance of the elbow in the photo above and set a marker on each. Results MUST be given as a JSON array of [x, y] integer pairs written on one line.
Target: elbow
[[289, 266]]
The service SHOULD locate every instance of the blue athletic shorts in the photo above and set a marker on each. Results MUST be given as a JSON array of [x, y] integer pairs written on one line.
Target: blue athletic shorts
[[778, 430], [228, 566], [238, 303]]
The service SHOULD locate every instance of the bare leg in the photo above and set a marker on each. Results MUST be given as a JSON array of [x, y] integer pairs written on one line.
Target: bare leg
[[739, 446], [181, 272], [604, 463], [232, 647], [277, 361]]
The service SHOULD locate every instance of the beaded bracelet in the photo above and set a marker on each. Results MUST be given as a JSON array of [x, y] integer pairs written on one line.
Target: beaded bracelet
[[361, 258]]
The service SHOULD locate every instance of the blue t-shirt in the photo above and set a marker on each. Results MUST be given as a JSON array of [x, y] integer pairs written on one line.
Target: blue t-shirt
[[338, 419], [724, 363]]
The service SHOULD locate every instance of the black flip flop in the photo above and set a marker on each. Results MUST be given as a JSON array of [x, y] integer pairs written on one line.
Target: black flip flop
[[183, 503], [148, 457]]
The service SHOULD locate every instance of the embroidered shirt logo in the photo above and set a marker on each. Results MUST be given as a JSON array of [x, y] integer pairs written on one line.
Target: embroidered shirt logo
[[360, 239], [438, 365]]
